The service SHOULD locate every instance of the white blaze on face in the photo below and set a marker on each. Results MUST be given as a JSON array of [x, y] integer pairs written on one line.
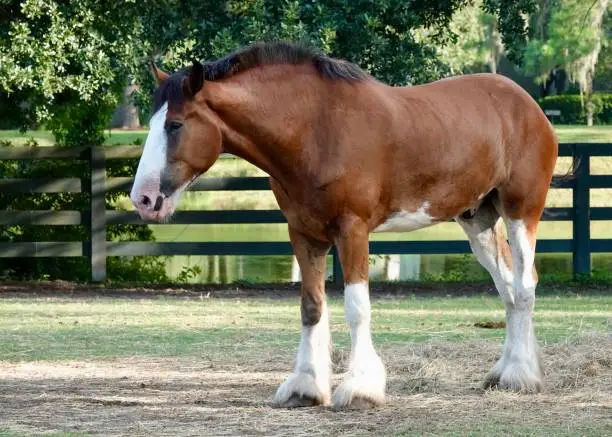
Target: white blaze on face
[[153, 159]]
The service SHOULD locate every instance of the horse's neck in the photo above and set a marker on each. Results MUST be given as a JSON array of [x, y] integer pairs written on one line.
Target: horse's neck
[[260, 128]]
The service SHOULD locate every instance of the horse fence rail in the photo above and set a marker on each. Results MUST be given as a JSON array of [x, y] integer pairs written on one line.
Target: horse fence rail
[[97, 217]]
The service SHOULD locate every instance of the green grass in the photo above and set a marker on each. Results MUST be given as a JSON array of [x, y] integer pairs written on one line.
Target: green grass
[[566, 134], [168, 365], [45, 138], [584, 134], [37, 329]]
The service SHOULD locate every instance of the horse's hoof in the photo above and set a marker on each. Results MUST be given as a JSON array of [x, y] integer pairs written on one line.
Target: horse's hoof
[[359, 403], [299, 401], [491, 381], [301, 390], [354, 394], [517, 377]]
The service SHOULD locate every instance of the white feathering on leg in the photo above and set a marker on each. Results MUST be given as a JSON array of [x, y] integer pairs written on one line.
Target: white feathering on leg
[[366, 376], [311, 377]]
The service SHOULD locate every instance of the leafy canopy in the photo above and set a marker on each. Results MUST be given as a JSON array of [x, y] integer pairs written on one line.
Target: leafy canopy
[[57, 52]]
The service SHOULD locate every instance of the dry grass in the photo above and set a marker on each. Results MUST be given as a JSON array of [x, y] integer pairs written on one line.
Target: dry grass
[[433, 390], [158, 365]]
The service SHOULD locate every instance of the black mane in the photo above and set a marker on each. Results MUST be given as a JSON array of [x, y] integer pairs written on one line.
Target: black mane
[[254, 56]]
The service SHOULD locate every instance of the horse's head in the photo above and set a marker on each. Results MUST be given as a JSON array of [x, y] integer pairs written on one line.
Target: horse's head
[[184, 141]]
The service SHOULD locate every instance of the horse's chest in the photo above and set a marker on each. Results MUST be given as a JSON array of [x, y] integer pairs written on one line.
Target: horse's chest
[[307, 213]]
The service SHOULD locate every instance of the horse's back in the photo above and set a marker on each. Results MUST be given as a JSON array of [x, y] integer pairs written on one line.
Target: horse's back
[[461, 137], [485, 101]]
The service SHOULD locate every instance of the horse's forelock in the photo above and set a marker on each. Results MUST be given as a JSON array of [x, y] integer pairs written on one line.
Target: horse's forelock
[[170, 91]]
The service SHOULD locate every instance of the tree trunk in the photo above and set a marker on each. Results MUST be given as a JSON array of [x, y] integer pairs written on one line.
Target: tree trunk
[[126, 114], [496, 47], [589, 97], [131, 120]]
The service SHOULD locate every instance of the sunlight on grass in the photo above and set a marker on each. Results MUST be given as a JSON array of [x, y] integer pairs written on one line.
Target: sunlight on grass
[[584, 134], [45, 138], [65, 329], [565, 133]]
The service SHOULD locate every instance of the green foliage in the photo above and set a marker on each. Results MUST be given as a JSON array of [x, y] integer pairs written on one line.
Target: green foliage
[[142, 269], [374, 34], [459, 268], [80, 123], [188, 273], [603, 69], [511, 23], [572, 110], [50, 49], [87, 50], [476, 41], [570, 36], [67, 62]]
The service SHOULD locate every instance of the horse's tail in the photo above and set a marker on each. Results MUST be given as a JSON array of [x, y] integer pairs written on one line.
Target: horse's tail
[[558, 182]]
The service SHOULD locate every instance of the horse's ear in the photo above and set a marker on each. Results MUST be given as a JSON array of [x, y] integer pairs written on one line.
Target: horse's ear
[[195, 80], [158, 75]]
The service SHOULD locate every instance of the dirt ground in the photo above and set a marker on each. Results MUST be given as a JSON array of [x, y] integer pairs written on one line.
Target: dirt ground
[[432, 389]]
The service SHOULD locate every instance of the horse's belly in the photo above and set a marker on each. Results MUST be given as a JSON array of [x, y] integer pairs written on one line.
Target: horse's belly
[[404, 221]]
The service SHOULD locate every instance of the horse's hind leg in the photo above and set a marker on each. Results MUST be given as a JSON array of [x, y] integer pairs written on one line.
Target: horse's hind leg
[[519, 368], [484, 230], [310, 382]]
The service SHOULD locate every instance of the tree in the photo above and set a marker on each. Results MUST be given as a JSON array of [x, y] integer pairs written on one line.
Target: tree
[[126, 115], [572, 38], [476, 42], [67, 62], [603, 70], [58, 52]]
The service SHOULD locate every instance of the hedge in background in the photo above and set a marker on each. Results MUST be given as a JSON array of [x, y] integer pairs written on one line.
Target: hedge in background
[[572, 111]]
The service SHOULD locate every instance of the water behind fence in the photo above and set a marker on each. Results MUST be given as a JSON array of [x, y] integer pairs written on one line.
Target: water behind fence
[[97, 249]]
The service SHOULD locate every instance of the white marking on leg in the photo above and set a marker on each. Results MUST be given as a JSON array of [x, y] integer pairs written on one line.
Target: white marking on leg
[[522, 251], [366, 376], [296, 274], [484, 245], [404, 221], [519, 368], [311, 377]]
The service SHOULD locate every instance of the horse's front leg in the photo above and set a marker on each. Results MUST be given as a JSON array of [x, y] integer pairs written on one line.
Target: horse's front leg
[[364, 382], [310, 382]]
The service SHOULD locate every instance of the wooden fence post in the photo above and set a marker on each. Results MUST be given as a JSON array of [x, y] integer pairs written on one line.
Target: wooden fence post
[[581, 225], [97, 211]]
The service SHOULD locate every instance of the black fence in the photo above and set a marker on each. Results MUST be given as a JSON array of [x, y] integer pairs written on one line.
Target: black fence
[[97, 217]]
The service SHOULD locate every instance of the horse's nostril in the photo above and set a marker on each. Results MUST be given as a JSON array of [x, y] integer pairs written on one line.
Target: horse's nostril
[[145, 201], [158, 203]]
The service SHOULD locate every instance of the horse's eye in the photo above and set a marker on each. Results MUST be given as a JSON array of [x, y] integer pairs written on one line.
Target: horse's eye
[[173, 127]]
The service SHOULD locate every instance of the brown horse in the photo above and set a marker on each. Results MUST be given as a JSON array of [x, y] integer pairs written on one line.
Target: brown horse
[[348, 155]]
